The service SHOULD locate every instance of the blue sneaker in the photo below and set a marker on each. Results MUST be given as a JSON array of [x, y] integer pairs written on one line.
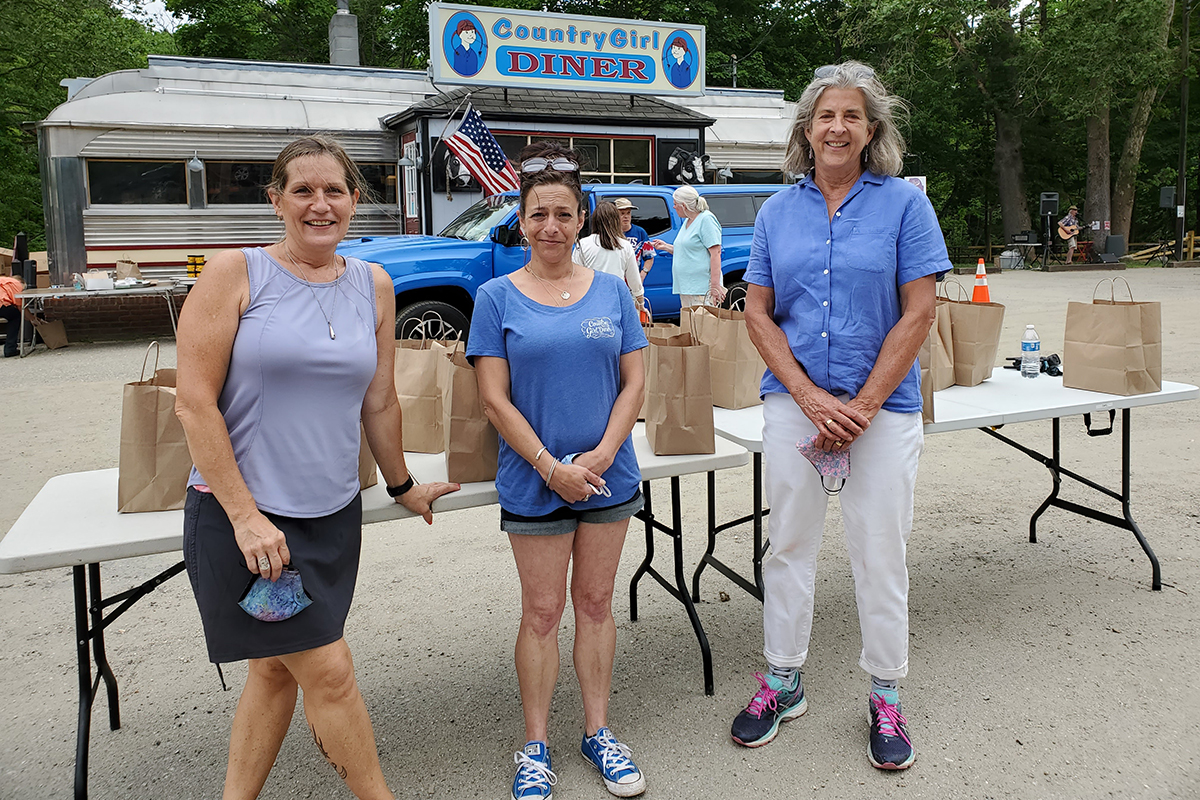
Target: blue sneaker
[[772, 704], [889, 746], [534, 778], [621, 775]]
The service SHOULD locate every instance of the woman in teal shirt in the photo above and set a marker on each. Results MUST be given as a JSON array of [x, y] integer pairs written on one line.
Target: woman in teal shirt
[[696, 262]]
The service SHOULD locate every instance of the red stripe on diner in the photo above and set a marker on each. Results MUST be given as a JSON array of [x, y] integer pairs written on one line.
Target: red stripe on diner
[[98, 247]]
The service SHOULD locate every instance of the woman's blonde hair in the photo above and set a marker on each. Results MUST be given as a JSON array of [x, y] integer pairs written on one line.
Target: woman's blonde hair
[[690, 199], [885, 153]]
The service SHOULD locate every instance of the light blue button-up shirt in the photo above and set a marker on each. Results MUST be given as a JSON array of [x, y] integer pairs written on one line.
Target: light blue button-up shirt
[[837, 281]]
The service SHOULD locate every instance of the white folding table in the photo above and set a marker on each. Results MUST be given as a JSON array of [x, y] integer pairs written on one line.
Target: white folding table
[[73, 522], [1004, 399], [35, 298]]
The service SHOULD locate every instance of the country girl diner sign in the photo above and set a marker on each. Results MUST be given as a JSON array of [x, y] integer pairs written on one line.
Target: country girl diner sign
[[476, 46]]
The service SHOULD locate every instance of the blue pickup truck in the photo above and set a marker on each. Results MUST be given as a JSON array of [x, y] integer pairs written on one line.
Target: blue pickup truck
[[441, 273]]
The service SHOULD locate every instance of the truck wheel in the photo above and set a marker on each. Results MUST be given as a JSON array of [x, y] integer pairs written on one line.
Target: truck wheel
[[431, 319], [735, 296]]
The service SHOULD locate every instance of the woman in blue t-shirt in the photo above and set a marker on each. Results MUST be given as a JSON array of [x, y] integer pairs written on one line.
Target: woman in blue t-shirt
[[557, 348]]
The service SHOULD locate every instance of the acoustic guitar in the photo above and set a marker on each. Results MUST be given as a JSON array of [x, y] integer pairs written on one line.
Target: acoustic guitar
[[1065, 232]]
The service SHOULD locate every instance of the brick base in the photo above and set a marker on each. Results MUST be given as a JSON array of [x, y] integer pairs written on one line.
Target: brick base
[[98, 319]]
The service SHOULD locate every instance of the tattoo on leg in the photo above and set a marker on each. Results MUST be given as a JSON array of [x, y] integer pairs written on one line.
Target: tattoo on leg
[[341, 771]]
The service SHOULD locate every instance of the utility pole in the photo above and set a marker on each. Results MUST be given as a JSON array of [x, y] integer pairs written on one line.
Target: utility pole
[[733, 62], [1181, 180]]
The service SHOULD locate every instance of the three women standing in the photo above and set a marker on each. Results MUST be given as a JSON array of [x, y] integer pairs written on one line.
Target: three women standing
[[841, 296]]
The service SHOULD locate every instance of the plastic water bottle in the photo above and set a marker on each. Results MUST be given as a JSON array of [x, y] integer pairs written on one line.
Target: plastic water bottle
[[1031, 353]]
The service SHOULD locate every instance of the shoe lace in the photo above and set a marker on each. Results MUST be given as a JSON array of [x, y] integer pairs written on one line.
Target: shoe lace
[[532, 773], [764, 698], [614, 756], [888, 718]]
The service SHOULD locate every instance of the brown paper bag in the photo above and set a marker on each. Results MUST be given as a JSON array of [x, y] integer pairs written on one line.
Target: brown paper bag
[[661, 330], [974, 337], [154, 458], [1113, 346], [420, 395], [737, 368], [368, 475], [471, 443], [679, 416], [128, 269], [941, 363], [53, 333], [925, 358]]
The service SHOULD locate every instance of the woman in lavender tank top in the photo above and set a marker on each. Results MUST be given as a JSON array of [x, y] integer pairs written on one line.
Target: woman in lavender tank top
[[282, 350]]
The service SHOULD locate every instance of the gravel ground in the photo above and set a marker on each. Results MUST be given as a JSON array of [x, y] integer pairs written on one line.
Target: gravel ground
[[1045, 670]]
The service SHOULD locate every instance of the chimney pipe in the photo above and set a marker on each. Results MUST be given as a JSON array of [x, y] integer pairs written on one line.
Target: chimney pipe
[[343, 36]]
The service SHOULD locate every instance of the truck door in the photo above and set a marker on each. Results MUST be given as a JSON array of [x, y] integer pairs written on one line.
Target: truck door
[[653, 214], [508, 255]]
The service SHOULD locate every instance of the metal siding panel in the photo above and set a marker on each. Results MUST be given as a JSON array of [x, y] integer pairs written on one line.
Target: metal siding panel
[[225, 145], [136, 229]]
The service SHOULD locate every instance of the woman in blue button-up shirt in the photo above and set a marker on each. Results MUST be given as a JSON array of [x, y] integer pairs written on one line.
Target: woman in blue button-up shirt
[[841, 296]]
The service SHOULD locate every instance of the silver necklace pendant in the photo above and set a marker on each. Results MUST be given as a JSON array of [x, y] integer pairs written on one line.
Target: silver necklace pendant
[[565, 295], [332, 335]]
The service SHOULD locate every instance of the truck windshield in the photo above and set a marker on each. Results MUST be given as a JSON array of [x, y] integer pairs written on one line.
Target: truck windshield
[[476, 222]]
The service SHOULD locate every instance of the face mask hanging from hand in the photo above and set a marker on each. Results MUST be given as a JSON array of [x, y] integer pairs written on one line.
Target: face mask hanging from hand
[[832, 466], [277, 601]]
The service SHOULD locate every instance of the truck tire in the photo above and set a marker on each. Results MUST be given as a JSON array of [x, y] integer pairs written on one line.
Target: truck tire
[[431, 319], [735, 296]]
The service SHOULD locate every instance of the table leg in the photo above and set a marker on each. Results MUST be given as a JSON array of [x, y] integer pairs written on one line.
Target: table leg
[[21, 331], [760, 549], [86, 688], [712, 536], [754, 589], [1054, 465], [1126, 459], [102, 667], [647, 516], [170, 297]]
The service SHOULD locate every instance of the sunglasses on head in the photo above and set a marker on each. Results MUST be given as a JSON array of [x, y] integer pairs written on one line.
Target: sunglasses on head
[[829, 70], [539, 164]]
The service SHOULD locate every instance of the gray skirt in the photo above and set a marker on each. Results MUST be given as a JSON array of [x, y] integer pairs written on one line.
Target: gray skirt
[[325, 550]]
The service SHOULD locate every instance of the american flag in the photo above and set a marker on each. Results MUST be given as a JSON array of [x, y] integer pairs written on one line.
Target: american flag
[[477, 149]]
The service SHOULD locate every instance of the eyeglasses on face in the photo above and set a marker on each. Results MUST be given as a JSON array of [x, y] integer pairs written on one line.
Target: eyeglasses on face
[[829, 70], [538, 164]]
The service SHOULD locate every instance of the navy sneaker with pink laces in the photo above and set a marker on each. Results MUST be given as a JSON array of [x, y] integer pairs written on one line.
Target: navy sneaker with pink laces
[[889, 746], [772, 704]]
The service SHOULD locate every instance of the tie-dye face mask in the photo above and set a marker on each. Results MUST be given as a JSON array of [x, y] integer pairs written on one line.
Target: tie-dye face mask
[[834, 464], [275, 602]]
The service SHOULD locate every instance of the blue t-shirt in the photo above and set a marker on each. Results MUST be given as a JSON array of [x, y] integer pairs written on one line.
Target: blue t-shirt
[[637, 236], [691, 266], [837, 282], [564, 367]]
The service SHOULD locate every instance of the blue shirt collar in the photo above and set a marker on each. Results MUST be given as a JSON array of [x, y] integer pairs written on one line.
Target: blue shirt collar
[[866, 177]]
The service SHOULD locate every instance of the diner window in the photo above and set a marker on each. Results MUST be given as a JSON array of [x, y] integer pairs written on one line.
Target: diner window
[[237, 182], [381, 181], [137, 182]]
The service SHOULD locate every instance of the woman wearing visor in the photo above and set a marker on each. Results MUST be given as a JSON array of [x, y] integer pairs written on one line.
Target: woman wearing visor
[[557, 350]]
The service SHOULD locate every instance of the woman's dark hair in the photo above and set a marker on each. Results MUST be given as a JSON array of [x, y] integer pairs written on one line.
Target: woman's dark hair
[[606, 223], [314, 146], [465, 25], [548, 176]]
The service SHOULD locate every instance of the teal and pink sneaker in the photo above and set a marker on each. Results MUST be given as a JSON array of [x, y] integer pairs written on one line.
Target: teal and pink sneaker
[[772, 704], [889, 746]]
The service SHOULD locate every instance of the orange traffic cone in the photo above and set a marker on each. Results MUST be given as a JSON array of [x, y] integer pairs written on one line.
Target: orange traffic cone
[[981, 291]]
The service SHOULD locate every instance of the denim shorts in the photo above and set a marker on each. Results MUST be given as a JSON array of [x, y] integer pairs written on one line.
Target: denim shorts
[[566, 519]]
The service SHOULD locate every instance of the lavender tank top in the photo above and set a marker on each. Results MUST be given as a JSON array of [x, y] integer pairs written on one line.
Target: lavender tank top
[[292, 396]]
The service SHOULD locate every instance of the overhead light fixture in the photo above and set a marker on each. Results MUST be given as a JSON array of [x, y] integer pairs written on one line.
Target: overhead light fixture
[[194, 164], [408, 162]]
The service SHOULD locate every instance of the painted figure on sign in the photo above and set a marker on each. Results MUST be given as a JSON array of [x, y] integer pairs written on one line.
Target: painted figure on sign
[[466, 54], [679, 64]]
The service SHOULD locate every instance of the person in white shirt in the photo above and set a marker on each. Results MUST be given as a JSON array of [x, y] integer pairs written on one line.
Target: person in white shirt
[[607, 250]]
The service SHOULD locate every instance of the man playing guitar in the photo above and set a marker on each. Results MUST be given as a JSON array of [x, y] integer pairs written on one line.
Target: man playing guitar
[[1068, 229]]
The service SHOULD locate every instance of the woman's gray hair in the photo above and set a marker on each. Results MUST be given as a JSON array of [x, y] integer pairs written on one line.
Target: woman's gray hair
[[885, 153], [690, 199]]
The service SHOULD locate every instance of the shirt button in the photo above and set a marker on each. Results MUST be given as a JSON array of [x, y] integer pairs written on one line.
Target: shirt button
[[826, 272], [837, 213], [827, 241], [825, 303], [824, 334]]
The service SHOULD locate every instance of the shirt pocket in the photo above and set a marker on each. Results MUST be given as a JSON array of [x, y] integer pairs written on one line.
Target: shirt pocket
[[870, 248]]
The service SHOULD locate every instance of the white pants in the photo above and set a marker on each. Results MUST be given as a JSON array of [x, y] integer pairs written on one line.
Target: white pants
[[877, 507], [686, 300]]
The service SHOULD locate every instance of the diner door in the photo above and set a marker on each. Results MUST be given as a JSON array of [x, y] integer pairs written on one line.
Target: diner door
[[410, 206]]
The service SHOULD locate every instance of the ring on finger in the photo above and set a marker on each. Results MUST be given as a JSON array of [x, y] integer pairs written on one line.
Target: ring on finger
[[264, 563], [828, 422], [838, 443]]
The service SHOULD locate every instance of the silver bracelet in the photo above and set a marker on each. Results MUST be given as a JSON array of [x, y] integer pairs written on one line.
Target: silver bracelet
[[550, 474], [539, 453]]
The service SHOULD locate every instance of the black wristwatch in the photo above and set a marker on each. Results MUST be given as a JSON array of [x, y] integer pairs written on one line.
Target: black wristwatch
[[396, 491]]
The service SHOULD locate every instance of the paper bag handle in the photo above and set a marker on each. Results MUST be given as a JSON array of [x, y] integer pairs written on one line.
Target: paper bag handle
[[1112, 289], [962, 291], [153, 346]]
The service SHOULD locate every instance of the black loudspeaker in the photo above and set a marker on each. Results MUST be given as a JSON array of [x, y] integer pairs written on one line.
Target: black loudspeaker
[[1108, 258], [1115, 244], [1049, 203], [1166, 197]]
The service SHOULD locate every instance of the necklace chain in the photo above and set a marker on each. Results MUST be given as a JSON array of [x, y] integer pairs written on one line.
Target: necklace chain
[[333, 307], [565, 295]]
